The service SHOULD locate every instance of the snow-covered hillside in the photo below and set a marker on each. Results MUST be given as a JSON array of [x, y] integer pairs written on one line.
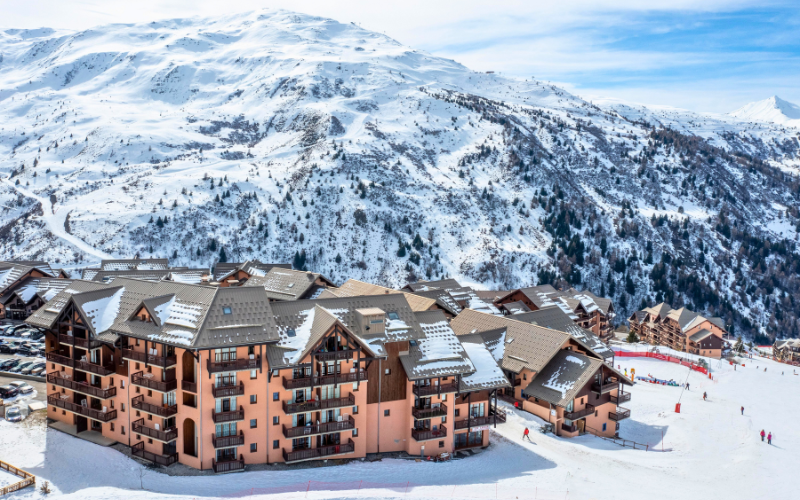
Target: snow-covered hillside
[[774, 110], [271, 134]]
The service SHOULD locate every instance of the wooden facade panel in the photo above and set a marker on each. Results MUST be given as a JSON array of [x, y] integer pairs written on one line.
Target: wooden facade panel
[[392, 386]]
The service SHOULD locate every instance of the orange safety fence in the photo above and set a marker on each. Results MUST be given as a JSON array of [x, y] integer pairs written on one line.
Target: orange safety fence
[[662, 357]]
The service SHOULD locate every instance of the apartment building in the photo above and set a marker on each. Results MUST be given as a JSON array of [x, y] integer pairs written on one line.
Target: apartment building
[[554, 375], [586, 309], [680, 329], [787, 351], [219, 377]]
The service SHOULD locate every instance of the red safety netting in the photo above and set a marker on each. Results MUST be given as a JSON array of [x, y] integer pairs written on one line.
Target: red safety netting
[[663, 357]]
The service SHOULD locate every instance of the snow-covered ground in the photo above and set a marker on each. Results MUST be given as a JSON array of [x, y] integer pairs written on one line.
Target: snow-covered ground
[[712, 452]]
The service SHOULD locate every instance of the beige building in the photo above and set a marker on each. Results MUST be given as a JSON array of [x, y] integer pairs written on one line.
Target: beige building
[[680, 329]]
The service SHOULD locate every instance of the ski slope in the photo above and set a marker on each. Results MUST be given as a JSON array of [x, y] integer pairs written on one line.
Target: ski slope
[[712, 451]]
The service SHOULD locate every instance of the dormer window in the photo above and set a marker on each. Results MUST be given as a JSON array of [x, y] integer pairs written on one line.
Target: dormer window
[[227, 310], [393, 315], [290, 333]]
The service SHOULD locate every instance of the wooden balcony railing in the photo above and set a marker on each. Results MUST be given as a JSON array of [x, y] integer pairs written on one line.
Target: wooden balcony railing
[[432, 390], [167, 435], [55, 379], [479, 421], [326, 428], [78, 342], [101, 370], [320, 452], [228, 416], [318, 404], [575, 415], [138, 403], [228, 441], [138, 451], [620, 414], [228, 465], [139, 379], [103, 416], [60, 359], [426, 434], [605, 387], [189, 386], [337, 378], [569, 428], [150, 359], [621, 398], [424, 413], [234, 365], [344, 354], [228, 391]]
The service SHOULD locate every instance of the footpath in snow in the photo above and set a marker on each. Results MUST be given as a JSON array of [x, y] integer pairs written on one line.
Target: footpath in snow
[[713, 451]]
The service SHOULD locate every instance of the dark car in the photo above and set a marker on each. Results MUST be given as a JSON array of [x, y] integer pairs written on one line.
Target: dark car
[[37, 336], [7, 349], [8, 391], [9, 364]]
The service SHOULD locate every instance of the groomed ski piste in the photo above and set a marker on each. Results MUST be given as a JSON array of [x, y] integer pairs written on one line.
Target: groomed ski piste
[[710, 449]]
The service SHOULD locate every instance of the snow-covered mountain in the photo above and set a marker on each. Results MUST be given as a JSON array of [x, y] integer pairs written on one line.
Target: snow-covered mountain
[[774, 110], [286, 137]]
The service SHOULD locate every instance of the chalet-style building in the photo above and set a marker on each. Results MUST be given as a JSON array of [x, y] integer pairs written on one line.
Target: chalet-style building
[[787, 351], [449, 291], [135, 264], [25, 276], [286, 284], [555, 375], [216, 377], [237, 273], [680, 329], [586, 309]]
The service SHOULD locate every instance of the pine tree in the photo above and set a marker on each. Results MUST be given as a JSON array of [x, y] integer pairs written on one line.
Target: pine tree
[[632, 337], [338, 258], [222, 256]]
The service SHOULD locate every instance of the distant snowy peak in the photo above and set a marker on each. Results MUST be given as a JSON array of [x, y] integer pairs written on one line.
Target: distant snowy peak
[[774, 110]]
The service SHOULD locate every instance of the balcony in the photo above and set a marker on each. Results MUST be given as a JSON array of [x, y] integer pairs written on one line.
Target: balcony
[[189, 386], [425, 413], [228, 391], [138, 403], [228, 441], [228, 416], [317, 404], [150, 359], [167, 435], [569, 428], [146, 380], [82, 387], [79, 342], [337, 378], [96, 369], [424, 391], [428, 434], [620, 414], [479, 421], [60, 359], [138, 450], [320, 452], [326, 428], [234, 365], [231, 465], [605, 387], [575, 415], [621, 398], [517, 382], [343, 354], [93, 413]]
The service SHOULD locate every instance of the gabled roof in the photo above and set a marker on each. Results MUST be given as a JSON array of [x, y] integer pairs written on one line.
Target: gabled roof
[[189, 276], [443, 299], [591, 301], [30, 288], [222, 270], [140, 274], [659, 311], [45, 316], [471, 300], [134, 264], [556, 319], [12, 272], [563, 377], [517, 307], [423, 286], [287, 284], [485, 350], [491, 295], [356, 288], [438, 354], [702, 334]]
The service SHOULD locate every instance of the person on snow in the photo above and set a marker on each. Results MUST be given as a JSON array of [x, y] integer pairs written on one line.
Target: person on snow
[[762, 435], [704, 396], [687, 386], [527, 432], [769, 438], [742, 410]]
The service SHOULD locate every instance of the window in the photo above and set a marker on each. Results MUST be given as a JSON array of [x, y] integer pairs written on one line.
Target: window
[[123, 430], [444, 419], [385, 413], [253, 447], [355, 410], [122, 407], [388, 371], [253, 423], [253, 374], [252, 399], [150, 441], [227, 310], [355, 432], [275, 396], [444, 397], [456, 412], [441, 444], [393, 315], [524, 376], [596, 413], [604, 427], [276, 420], [276, 444], [112, 426], [122, 384]]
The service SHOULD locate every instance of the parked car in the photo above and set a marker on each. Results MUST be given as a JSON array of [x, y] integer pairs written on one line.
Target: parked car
[[37, 336], [39, 372], [22, 387], [14, 414], [21, 366], [8, 392], [7, 349], [9, 364], [27, 370], [11, 331]]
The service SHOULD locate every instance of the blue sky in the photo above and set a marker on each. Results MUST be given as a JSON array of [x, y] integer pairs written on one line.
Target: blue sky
[[704, 55]]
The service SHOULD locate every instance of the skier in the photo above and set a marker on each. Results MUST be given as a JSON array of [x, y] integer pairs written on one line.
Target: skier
[[765, 370], [762, 435], [526, 434], [687, 386], [704, 396], [742, 410], [769, 438]]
